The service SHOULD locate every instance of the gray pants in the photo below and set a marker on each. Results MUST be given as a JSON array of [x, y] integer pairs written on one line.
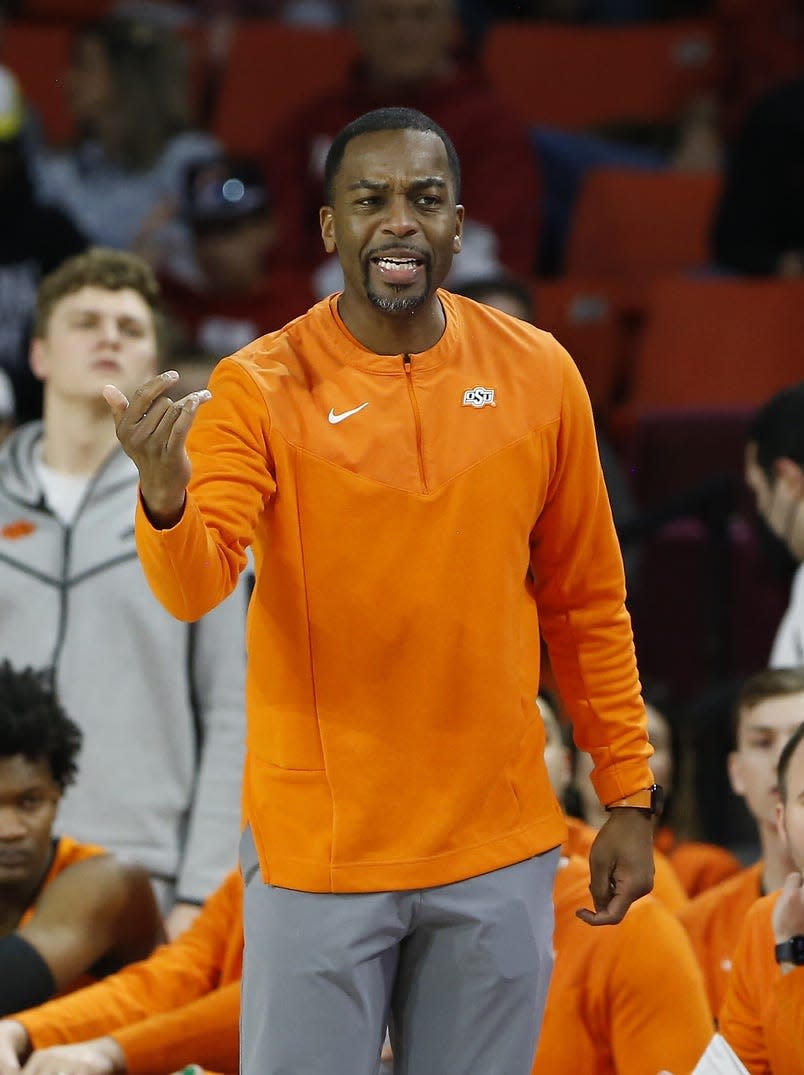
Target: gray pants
[[458, 972]]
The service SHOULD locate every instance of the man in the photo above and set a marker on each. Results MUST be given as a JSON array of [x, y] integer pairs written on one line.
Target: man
[[240, 292], [774, 471], [66, 909], [160, 703], [762, 1013], [409, 54], [179, 1005], [400, 823], [34, 239], [769, 708]]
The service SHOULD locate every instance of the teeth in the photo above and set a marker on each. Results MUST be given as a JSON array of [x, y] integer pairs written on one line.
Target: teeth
[[396, 263]]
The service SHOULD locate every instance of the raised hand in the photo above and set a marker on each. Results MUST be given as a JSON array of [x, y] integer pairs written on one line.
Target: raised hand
[[153, 428]]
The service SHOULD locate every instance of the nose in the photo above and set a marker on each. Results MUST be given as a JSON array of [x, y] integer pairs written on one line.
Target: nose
[[399, 220], [12, 826], [110, 330]]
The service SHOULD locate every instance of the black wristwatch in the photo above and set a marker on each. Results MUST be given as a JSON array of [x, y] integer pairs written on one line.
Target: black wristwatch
[[649, 800], [791, 951]]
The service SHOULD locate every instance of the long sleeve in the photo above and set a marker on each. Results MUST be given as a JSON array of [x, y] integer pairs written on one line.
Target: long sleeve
[[205, 1032], [173, 976], [580, 594], [194, 565], [218, 676]]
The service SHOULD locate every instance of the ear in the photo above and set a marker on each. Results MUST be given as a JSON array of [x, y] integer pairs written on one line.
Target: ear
[[37, 359], [326, 219], [780, 829], [791, 474], [734, 767], [456, 242]]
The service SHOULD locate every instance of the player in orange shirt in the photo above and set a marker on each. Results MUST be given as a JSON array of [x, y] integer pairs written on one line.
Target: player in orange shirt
[[65, 908], [762, 1016], [769, 708], [181, 1004], [418, 477]]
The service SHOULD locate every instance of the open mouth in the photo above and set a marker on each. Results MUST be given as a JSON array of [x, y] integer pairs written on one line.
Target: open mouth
[[398, 269]]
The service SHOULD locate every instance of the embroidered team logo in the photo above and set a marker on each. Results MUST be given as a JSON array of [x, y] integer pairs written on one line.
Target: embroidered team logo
[[478, 397], [19, 529]]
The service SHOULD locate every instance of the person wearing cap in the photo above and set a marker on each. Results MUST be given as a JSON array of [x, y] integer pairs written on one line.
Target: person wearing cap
[[34, 239], [238, 291]]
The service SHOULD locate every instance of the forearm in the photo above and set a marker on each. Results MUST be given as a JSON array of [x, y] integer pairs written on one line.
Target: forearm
[[204, 1032]]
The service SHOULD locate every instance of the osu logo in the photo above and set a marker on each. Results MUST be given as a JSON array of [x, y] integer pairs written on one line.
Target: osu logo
[[479, 397], [18, 529]]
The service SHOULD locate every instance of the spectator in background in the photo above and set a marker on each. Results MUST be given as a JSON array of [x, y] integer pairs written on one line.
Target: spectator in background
[[160, 702], [121, 180], [34, 239], [410, 55], [769, 708], [239, 292], [762, 1013], [774, 471], [67, 909], [759, 225]]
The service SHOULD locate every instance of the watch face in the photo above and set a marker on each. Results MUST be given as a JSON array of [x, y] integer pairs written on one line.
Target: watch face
[[797, 950]]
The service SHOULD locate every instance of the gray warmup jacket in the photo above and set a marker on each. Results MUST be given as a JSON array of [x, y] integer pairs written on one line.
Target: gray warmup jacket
[[160, 702]]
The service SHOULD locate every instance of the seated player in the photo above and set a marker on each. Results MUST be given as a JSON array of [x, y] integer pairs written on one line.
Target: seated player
[[67, 910]]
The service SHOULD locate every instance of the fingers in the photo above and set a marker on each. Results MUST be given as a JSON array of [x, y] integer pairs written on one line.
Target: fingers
[[607, 916], [132, 411]]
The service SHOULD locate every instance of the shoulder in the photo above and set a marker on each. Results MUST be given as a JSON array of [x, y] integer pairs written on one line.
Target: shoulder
[[732, 896]]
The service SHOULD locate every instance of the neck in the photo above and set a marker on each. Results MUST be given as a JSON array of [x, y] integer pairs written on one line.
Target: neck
[[78, 435], [16, 899], [393, 334], [777, 863]]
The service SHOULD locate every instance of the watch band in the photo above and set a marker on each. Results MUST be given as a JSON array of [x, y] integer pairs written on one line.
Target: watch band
[[791, 951], [649, 799]]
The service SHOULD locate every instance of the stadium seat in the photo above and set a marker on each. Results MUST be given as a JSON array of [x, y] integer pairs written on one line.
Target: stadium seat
[[585, 317], [592, 76], [38, 53], [718, 343], [270, 70], [638, 223]]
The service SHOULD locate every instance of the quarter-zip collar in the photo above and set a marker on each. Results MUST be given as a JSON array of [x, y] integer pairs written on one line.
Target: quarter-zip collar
[[355, 354]]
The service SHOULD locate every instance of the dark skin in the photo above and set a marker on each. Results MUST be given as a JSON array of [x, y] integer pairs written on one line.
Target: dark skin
[[395, 225], [97, 914]]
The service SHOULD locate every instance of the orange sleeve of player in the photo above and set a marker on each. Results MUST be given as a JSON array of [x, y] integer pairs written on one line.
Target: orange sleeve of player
[[189, 967], [205, 1031], [784, 1024]]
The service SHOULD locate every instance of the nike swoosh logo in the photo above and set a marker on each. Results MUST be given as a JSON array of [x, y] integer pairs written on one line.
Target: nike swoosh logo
[[334, 418]]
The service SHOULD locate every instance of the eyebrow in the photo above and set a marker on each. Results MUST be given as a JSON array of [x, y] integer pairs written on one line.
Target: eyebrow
[[417, 184]]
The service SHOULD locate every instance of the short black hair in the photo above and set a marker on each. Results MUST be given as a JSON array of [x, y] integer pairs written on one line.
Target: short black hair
[[34, 724], [386, 119], [788, 750], [777, 428]]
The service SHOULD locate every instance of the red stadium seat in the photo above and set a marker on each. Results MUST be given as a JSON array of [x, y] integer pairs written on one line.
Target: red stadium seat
[[590, 76], [38, 53], [270, 70], [634, 224]]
